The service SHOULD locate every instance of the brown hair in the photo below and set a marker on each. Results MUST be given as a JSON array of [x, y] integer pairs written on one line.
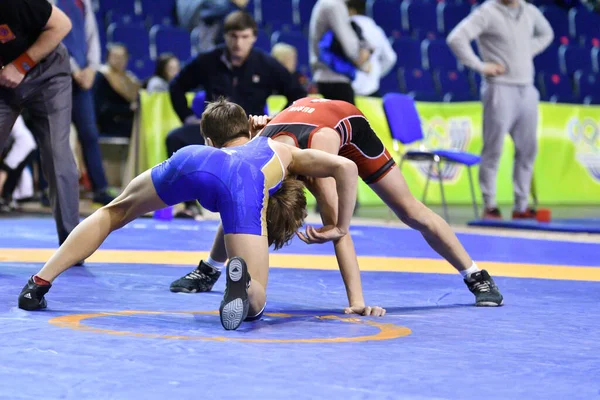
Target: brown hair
[[240, 21], [286, 212], [223, 121]]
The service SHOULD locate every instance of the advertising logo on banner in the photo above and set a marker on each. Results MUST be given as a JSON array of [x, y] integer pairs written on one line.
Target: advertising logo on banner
[[453, 133], [585, 135]]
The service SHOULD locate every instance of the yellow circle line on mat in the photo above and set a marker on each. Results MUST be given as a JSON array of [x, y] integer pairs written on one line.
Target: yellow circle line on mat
[[321, 262], [386, 331]]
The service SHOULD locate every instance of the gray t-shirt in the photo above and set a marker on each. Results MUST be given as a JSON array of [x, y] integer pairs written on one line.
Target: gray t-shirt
[[505, 35]]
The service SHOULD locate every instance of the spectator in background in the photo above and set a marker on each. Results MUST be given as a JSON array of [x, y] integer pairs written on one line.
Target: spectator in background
[[116, 94], [208, 17], [509, 34], [383, 58], [167, 67], [237, 71], [13, 164], [332, 15], [287, 55], [83, 44]]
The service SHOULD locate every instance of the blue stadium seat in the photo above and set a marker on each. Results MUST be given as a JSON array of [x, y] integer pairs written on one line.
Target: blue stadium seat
[[420, 16], [555, 84], [159, 12], [133, 36], [431, 97], [450, 14], [390, 83], [548, 60], [559, 20], [587, 84], [417, 80], [437, 55], [299, 41], [475, 79], [303, 10], [276, 13], [596, 59], [409, 52], [388, 16], [567, 98], [584, 23], [127, 7], [263, 41], [113, 16], [169, 39], [142, 68], [459, 97], [452, 81], [592, 100], [574, 58]]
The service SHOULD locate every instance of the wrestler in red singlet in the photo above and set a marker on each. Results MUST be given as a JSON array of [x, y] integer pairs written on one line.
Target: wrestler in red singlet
[[358, 141]]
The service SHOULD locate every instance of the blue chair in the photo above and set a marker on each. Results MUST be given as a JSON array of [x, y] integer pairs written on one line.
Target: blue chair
[[409, 52], [299, 41], [390, 82], [199, 103], [437, 55], [117, 7], [458, 97], [276, 13], [113, 16], [559, 20], [420, 16], [388, 16], [450, 14], [574, 58], [584, 23], [452, 81], [303, 10], [417, 80], [142, 68], [263, 41], [169, 39], [548, 60], [592, 100], [405, 127], [133, 36], [159, 12], [426, 96], [596, 59], [587, 84], [555, 84]]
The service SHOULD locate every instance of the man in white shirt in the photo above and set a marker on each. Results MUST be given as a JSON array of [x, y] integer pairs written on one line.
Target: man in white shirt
[[382, 59]]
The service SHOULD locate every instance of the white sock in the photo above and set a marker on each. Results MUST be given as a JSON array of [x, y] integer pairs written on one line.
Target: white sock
[[467, 272], [215, 264]]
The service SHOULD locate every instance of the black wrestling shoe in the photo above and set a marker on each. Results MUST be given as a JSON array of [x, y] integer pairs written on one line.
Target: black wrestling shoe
[[32, 296], [234, 307], [202, 279], [485, 290]]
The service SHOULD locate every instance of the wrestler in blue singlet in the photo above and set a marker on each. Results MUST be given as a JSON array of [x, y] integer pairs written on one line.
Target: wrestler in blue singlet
[[233, 181]]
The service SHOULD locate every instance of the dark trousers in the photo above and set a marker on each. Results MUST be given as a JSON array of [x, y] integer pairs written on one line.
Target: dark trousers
[[84, 118], [183, 136], [337, 91], [47, 94]]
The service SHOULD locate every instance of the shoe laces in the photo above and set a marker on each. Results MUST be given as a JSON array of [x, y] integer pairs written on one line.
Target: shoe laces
[[195, 274], [483, 286]]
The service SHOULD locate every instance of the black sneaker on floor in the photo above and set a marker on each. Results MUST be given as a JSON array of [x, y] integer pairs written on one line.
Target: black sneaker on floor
[[202, 279], [32, 296], [485, 290], [234, 306]]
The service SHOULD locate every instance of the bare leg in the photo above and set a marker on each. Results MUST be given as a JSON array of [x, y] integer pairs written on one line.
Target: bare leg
[[394, 191], [218, 252], [254, 250], [138, 198]]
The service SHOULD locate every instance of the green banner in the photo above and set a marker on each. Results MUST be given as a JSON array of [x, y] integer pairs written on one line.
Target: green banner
[[567, 169]]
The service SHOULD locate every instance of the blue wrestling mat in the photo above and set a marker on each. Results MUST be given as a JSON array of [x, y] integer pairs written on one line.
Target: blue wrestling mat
[[113, 330], [574, 225]]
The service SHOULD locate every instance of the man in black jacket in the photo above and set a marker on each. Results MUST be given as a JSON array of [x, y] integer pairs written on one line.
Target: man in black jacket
[[237, 71]]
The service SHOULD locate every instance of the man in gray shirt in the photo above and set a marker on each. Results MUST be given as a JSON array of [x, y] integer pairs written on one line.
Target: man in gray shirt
[[332, 15], [509, 34]]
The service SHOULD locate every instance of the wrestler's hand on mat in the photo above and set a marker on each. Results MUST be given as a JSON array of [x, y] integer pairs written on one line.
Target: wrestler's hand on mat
[[364, 310], [321, 235], [10, 76]]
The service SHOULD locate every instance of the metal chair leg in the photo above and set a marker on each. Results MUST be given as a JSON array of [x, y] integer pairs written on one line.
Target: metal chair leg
[[427, 182], [439, 168], [473, 193]]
